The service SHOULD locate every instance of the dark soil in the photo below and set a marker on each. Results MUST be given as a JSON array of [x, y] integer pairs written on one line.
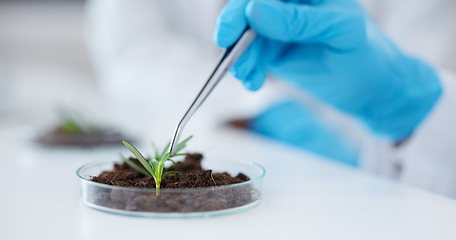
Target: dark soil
[[239, 123], [101, 138], [192, 177]]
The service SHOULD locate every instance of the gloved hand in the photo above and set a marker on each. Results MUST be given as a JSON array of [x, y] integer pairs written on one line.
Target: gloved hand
[[332, 50], [291, 122]]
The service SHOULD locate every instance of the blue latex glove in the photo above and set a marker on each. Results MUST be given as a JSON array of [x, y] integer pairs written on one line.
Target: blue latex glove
[[332, 50], [293, 123]]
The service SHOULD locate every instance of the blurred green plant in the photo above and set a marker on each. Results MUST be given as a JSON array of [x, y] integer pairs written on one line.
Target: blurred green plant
[[70, 125]]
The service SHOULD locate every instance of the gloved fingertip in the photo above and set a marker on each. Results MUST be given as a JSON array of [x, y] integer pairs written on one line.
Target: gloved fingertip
[[255, 10], [255, 81], [227, 31], [266, 17], [222, 40], [235, 72], [250, 86], [248, 83], [215, 38], [230, 23], [232, 71]]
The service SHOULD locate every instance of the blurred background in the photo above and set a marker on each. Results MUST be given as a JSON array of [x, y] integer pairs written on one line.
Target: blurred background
[[135, 65], [138, 64], [84, 55], [43, 57]]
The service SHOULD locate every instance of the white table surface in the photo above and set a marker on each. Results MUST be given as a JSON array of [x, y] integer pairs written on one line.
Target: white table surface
[[324, 201]]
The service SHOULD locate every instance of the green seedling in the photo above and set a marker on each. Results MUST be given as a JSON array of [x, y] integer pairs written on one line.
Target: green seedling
[[156, 166], [70, 125]]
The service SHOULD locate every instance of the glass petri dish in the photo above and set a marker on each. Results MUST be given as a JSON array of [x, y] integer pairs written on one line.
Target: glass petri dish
[[174, 203]]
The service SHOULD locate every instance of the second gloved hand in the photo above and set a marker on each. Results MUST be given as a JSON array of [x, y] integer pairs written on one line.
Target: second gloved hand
[[291, 122], [332, 50]]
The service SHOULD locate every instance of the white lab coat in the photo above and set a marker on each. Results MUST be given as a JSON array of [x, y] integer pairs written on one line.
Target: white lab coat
[[127, 36], [426, 29], [427, 160]]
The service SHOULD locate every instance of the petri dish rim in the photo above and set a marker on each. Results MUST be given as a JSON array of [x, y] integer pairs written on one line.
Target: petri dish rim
[[98, 162], [150, 214]]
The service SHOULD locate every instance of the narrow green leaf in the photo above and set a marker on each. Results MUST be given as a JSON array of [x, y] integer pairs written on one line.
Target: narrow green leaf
[[182, 144], [159, 170], [155, 148], [166, 149], [139, 156], [134, 165], [153, 165], [165, 157]]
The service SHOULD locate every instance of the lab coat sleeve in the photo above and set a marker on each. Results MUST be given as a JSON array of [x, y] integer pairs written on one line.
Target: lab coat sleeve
[[428, 159]]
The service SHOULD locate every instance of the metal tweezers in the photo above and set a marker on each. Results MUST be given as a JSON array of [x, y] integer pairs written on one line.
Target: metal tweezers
[[229, 58]]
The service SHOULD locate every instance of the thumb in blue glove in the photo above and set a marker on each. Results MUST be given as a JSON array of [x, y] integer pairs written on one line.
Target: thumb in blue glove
[[332, 50]]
